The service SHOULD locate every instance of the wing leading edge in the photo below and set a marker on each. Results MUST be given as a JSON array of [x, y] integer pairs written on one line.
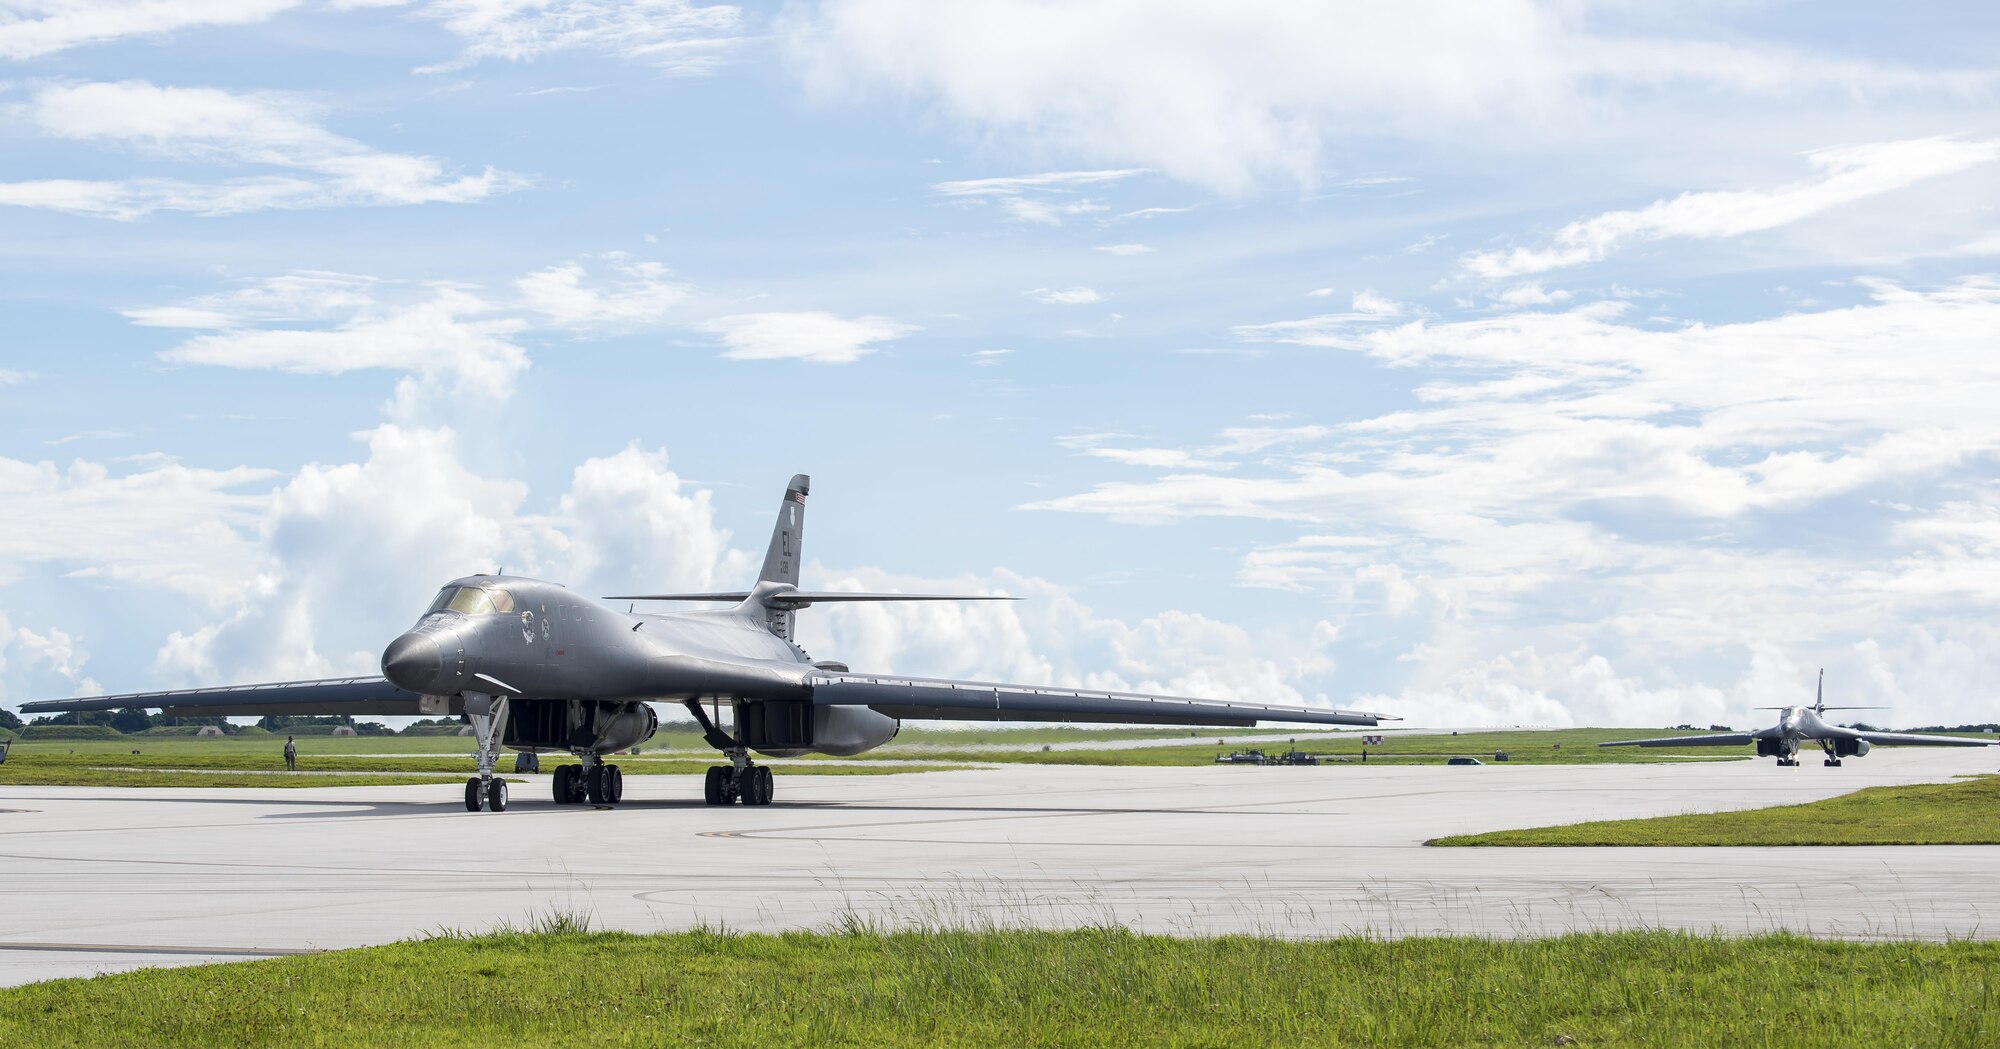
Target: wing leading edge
[[342, 695], [1725, 739], [947, 700], [1914, 739]]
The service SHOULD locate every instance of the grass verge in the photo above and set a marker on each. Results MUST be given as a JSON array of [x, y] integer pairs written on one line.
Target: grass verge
[[13, 775], [1084, 988], [1966, 812]]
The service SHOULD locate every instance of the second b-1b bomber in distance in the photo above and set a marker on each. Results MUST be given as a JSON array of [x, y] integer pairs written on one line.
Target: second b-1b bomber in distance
[[537, 668], [1802, 724]]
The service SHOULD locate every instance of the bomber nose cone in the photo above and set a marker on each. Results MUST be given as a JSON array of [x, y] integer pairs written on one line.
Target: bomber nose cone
[[412, 662]]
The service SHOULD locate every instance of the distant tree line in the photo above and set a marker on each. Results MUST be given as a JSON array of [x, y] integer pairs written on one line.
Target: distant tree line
[[133, 720]]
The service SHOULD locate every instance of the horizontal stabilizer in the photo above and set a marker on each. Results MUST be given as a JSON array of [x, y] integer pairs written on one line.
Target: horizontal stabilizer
[[803, 598]]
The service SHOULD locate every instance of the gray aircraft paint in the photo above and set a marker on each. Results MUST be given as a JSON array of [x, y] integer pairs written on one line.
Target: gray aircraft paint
[[1798, 725], [576, 673]]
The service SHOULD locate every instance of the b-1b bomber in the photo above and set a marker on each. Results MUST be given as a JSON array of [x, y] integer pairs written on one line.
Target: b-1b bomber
[[1802, 724], [537, 668]]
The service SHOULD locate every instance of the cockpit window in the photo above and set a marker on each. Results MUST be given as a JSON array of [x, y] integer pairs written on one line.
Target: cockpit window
[[472, 601]]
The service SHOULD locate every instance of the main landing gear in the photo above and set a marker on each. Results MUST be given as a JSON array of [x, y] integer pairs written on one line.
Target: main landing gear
[[740, 780], [594, 781]]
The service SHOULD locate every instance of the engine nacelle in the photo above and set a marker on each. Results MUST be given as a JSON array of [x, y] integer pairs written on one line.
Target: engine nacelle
[[569, 724], [789, 729], [1850, 748], [631, 727], [1770, 748]]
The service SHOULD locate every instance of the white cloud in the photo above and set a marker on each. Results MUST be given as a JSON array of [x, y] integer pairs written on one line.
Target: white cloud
[[1064, 296], [448, 340], [675, 36], [1227, 96], [207, 125], [415, 515], [1569, 482], [989, 358], [1051, 638], [1125, 249], [1044, 199], [454, 344], [30, 28], [643, 297], [815, 336], [161, 524], [1846, 175], [1530, 293], [1368, 310], [10, 377]]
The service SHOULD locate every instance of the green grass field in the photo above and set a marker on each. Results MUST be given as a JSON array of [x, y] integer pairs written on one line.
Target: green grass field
[[1004, 988], [182, 761], [1552, 747], [1963, 813]]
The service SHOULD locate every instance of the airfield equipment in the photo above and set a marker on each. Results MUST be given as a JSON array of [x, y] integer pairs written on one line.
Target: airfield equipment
[[1802, 724], [537, 668]]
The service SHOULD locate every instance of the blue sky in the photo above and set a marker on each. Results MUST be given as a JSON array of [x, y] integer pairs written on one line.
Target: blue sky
[[1484, 363]]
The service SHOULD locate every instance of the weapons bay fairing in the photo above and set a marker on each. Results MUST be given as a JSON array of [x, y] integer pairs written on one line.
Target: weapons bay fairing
[[535, 667]]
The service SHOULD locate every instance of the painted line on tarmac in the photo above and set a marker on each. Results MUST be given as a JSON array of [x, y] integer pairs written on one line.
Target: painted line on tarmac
[[154, 948]]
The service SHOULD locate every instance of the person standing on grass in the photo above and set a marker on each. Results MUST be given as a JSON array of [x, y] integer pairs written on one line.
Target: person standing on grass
[[291, 755]]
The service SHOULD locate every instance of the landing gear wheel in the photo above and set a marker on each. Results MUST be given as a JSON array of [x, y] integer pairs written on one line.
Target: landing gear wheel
[[496, 795], [614, 784], [711, 785], [564, 780], [593, 784], [766, 785], [473, 795]]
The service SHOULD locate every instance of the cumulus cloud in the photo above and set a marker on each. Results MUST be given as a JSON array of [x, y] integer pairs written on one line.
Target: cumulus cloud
[[158, 524], [812, 335], [31, 28], [1228, 96], [1574, 482], [415, 514], [642, 296], [1052, 638], [316, 168], [1846, 175]]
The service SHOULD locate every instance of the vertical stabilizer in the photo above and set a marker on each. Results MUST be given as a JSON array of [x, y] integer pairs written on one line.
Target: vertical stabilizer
[[781, 561]]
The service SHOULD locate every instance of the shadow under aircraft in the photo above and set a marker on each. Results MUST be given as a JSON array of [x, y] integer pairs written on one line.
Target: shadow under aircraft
[[534, 667]]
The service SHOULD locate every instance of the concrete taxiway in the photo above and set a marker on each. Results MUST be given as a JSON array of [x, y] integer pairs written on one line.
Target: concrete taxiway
[[95, 880]]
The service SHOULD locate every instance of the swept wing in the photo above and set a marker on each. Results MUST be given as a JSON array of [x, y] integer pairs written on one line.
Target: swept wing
[[341, 695], [1722, 739], [1907, 739], [949, 700]]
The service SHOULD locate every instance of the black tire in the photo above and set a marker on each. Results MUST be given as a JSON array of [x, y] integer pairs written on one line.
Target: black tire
[[496, 794], [473, 795], [560, 783], [614, 784], [767, 785], [593, 785], [711, 785]]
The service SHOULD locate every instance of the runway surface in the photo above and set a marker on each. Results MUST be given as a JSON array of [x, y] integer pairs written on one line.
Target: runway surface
[[95, 879]]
